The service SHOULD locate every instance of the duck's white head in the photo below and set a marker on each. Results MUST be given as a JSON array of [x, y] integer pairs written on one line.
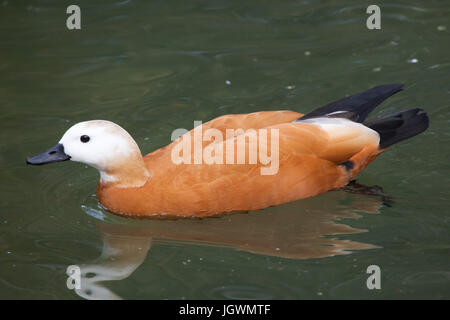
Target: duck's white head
[[103, 145]]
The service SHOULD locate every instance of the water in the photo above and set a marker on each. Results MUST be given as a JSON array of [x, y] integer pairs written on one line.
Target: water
[[156, 66]]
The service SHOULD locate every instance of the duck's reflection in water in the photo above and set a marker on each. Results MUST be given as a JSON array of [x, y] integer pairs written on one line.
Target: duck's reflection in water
[[299, 230]]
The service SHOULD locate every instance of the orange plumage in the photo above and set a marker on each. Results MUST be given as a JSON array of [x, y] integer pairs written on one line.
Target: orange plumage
[[201, 190]]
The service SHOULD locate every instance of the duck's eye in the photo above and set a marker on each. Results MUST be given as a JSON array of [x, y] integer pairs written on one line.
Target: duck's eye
[[84, 138]]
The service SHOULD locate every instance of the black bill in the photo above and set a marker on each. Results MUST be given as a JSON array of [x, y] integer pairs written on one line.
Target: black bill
[[54, 154]]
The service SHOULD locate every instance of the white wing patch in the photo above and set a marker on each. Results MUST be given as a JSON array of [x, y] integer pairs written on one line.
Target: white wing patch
[[330, 124], [345, 137]]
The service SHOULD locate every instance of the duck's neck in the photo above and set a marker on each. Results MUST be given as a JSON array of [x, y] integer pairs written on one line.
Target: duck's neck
[[128, 173]]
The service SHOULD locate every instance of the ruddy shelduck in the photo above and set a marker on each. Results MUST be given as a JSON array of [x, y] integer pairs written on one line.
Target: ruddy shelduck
[[317, 152]]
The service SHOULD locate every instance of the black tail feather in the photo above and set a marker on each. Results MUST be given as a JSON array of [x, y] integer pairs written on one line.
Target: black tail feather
[[358, 106], [399, 126]]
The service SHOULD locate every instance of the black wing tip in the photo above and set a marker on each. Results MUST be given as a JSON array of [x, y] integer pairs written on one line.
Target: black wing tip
[[390, 88], [392, 85], [359, 105]]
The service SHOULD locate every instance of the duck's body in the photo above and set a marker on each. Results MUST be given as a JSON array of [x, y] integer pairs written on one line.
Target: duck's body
[[307, 167], [317, 152]]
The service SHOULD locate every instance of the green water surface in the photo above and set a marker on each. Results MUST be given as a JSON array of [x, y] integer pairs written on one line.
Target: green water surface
[[154, 66]]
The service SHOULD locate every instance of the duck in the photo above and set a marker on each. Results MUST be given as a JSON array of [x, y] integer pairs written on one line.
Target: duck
[[315, 152]]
